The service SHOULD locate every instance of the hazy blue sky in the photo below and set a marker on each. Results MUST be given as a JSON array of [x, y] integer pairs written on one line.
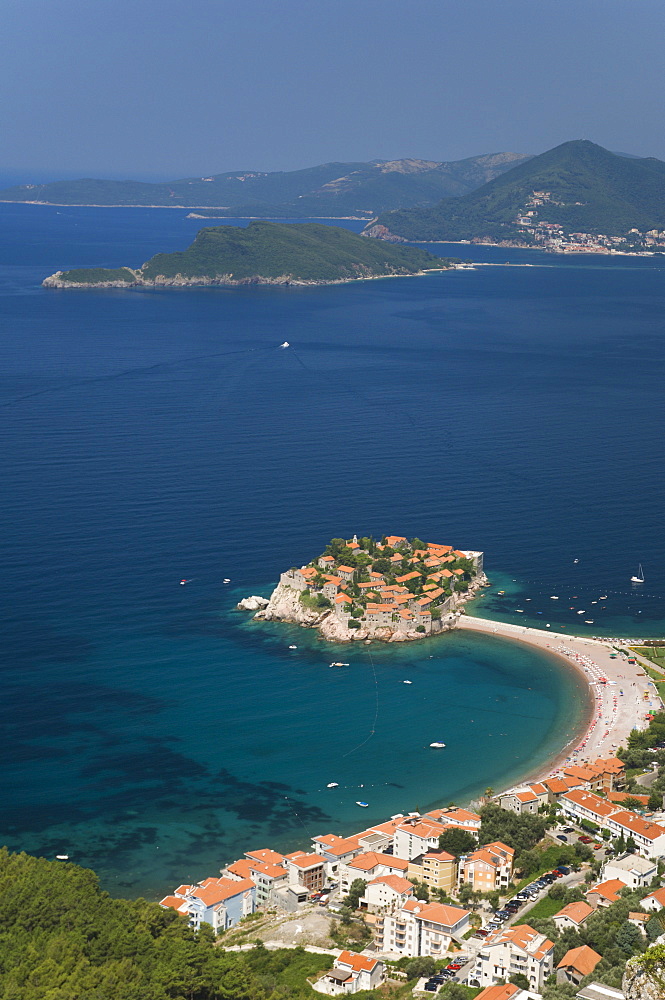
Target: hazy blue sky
[[170, 88]]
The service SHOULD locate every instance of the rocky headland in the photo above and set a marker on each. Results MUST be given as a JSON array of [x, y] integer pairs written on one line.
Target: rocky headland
[[392, 591]]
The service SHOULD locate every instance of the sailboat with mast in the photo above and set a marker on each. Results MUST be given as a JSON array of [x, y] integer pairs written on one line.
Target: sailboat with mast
[[640, 576]]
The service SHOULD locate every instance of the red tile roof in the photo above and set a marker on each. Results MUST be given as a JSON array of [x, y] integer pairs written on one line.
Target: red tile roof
[[359, 963], [583, 960]]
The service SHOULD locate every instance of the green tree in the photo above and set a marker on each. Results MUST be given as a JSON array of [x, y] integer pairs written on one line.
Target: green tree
[[465, 893], [457, 842], [519, 979], [356, 890], [417, 968]]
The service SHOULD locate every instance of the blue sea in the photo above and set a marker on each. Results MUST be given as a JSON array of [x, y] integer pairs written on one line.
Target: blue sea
[[153, 732]]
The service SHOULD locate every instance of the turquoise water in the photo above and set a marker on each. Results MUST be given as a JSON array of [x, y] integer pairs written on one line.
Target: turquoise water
[[153, 732]]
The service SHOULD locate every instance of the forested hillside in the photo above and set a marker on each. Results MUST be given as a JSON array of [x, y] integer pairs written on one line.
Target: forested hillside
[[62, 938]]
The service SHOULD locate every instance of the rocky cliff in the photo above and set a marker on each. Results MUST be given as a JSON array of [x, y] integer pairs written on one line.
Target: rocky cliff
[[644, 978]]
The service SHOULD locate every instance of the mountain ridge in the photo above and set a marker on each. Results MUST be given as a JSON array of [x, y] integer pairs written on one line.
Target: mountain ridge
[[322, 190], [586, 189]]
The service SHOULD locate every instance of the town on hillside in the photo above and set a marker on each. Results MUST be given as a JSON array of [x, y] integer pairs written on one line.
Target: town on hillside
[[394, 590], [510, 901], [532, 222]]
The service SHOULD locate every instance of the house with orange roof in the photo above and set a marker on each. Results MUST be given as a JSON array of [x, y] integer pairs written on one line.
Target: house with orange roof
[[437, 869], [415, 836], [586, 776], [346, 572], [573, 915], [395, 540], [336, 850], [655, 901], [307, 871], [514, 949], [326, 562], [419, 928], [386, 892], [576, 964], [454, 816], [612, 773], [267, 855], [649, 837], [351, 972], [368, 866], [605, 893], [488, 868], [267, 877], [521, 801], [220, 902], [580, 804], [502, 991], [557, 786]]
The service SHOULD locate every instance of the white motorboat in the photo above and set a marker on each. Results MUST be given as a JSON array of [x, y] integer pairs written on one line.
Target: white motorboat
[[332, 784], [407, 682], [62, 857], [226, 580], [363, 805], [335, 664], [437, 746], [293, 647]]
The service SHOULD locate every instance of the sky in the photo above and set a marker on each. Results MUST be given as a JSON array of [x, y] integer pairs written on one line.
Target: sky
[[158, 89]]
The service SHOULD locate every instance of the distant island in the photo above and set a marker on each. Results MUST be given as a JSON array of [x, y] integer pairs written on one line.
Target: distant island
[[577, 197], [393, 590], [262, 253], [330, 190]]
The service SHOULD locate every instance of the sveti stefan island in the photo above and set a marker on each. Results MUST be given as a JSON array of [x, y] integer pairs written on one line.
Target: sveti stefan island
[[396, 589], [276, 279]]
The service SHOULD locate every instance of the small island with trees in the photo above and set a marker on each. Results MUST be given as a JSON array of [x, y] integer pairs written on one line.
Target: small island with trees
[[393, 590], [263, 253]]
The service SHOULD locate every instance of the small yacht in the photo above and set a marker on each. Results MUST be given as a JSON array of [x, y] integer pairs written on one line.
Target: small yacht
[[183, 582], [554, 598], [437, 746], [640, 576], [407, 682], [226, 580], [332, 784], [336, 664], [603, 597], [293, 647], [62, 857]]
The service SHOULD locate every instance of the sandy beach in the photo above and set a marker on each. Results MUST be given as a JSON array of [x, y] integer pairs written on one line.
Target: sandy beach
[[623, 695]]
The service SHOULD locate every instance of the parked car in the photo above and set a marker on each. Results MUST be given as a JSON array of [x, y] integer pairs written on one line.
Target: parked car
[[598, 847], [562, 836], [584, 839], [568, 829], [430, 987], [564, 869]]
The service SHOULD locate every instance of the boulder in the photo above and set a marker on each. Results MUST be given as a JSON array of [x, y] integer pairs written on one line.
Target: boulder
[[253, 603]]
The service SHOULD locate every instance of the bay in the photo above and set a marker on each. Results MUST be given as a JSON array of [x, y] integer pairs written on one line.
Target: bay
[[153, 732]]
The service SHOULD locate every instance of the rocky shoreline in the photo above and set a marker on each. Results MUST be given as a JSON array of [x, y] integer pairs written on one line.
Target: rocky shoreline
[[285, 605], [224, 280]]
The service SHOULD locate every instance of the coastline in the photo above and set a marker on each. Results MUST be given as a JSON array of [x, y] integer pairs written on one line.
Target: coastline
[[611, 716], [224, 281]]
